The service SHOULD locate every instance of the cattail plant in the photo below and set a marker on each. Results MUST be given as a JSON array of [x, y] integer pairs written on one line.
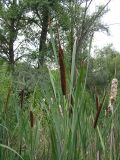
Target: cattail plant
[[113, 95], [62, 65], [112, 100]]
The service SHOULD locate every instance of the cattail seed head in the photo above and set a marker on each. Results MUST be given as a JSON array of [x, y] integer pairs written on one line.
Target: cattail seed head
[[113, 94], [31, 119], [114, 85], [62, 71]]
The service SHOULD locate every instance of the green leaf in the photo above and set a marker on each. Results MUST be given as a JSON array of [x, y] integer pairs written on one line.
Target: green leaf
[[9, 148]]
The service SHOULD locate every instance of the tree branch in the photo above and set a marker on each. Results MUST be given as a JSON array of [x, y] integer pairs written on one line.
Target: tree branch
[[86, 29], [21, 57]]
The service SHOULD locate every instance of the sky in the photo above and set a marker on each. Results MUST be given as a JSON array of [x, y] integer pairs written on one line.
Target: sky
[[112, 19]]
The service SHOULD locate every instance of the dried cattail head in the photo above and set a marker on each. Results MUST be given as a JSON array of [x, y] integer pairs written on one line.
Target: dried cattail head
[[113, 94]]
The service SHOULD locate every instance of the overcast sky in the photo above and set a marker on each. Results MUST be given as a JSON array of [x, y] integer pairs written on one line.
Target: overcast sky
[[112, 18]]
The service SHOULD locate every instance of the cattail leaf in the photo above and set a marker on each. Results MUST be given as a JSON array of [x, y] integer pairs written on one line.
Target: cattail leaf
[[9, 148], [73, 66], [52, 82], [101, 139]]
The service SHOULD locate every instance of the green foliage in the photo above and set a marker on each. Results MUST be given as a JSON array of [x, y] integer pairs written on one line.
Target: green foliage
[[36, 120], [106, 64], [25, 24]]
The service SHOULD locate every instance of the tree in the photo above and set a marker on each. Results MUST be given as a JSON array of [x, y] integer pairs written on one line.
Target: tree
[[25, 28], [11, 15], [103, 68], [45, 13]]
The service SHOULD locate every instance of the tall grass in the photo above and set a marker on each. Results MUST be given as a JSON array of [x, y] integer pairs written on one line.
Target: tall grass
[[43, 129]]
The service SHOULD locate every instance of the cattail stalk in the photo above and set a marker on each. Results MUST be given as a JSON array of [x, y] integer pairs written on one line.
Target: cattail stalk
[[97, 102]]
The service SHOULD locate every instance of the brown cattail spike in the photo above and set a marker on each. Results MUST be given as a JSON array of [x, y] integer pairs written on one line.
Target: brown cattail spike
[[98, 111], [61, 64], [21, 94], [31, 119], [62, 71]]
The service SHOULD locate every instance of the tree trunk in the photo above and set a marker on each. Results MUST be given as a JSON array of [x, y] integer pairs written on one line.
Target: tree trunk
[[45, 16], [12, 37], [11, 53]]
